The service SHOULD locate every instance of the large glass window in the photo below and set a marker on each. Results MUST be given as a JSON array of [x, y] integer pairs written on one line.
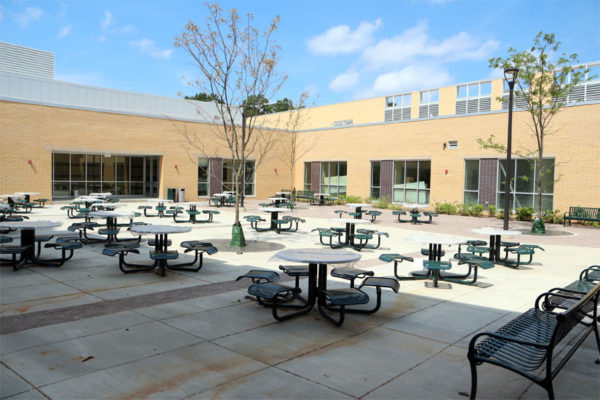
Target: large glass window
[[333, 177], [247, 176], [203, 177], [523, 187], [307, 176], [88, 173], [375, 180], [471, 181], [412, 182]]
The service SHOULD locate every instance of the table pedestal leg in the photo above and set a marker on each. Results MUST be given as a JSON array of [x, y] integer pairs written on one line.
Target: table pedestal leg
[[28, 239]]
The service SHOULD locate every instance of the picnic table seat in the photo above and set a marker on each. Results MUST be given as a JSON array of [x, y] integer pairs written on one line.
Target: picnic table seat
[[146, 208], [199, 248], [152, 242], [39, 238], [293, 223], [364, 235], [373, 214], [296, 271], [13, 250], [337, 299], [63, 244], [340, 212], [378, 283], [350, 274], [399, 214], [472, 243], [41, 202], [429, 215], [478, 250], [398, 259], [274, 295], [254, 220], [474, 263], [122, 250], [5, 239], [522, 250], [82, 228], [260, 276], [331, 234]]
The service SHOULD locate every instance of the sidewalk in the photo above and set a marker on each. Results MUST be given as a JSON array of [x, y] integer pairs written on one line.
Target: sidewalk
[[86, 330]]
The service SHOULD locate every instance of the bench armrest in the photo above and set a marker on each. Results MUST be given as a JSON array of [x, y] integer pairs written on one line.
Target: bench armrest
[[545, 295]]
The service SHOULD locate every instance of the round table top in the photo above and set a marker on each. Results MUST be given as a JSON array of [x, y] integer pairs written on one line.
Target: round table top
[[159, 201], [113, 214], [30, 224], [277, 198], [350, 220], [101, 194], [222, 194], [26, 193], [4, 206], [359, 205], [488, 230], [318, 256], [110, 205], [160, 229], [89, 199], [434, 238], [274, 209]]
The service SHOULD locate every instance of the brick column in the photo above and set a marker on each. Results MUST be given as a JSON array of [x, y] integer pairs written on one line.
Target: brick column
[[315, 177], [386, 175], [215, 176], [488, 180]]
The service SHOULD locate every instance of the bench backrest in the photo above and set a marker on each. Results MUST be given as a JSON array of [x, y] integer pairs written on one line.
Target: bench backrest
[[584, 212], [567, 319]]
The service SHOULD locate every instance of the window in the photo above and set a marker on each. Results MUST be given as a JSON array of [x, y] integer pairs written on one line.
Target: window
[[87, 173], [375, 180], [307, 176], [247, 177], [452, 144], [474, 98], [412, 182], [523, 188], [203, 177], [398, 107], [333, 178], [429, 103], [471, 181]]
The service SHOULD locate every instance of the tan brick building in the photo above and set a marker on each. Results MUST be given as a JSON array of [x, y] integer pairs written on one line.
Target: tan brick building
[[61, 138]]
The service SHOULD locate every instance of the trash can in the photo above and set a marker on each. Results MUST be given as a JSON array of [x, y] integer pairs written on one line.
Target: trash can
[[75, 193], [180, 195], [171, 194]]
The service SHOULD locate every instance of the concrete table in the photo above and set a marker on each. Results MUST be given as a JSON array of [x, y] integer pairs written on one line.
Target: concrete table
[[161, 240], [111, 222], [435, 242], [321, 197], [350, 227], [160, 206], [495, 239], [274, 215], [278, 200], [27, 229], [317, 260], [358, 208]]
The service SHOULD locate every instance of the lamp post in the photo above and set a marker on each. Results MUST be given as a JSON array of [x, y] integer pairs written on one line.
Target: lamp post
[[510, 76]]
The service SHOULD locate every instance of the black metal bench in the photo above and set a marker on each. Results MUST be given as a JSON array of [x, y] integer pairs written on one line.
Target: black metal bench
[[581, 214], [527, 345]]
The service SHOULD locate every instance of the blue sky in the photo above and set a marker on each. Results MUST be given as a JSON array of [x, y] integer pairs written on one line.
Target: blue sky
[[337, 50]]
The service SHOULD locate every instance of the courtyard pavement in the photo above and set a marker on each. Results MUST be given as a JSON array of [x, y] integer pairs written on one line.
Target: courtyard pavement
[[86, 330]]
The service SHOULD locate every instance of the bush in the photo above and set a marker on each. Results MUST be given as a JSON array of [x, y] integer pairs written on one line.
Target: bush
[[500, 215], [464, 209], [525, 214], [477, 210], [552, 217], [445, 208], [492, 210], [382, 203], [353, 199]]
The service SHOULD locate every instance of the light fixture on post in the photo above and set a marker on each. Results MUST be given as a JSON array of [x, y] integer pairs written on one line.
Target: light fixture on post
[[510, 76]]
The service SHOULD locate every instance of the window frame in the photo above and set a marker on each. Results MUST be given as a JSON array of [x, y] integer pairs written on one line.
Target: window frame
[[513, 189], [402, 186]]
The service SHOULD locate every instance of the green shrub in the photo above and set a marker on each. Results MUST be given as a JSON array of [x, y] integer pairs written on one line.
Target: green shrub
[[500, 215], [525, 213], [353, 199], [464, 209], [382, 203], [477, 210], [445, 208], [492, 210]]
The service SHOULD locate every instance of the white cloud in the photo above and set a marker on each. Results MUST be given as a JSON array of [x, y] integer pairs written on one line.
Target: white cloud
[[344, 81], [342, 40], [107, 21], [29, 15], [413, 77], [64, 32], [312, 90], [147, 46], [415, 44], [496, 73]]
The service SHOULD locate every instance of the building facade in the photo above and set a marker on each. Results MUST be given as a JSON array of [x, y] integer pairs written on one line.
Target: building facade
[[63, 139]]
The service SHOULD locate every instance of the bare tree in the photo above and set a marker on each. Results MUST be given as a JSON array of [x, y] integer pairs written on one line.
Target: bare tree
[[237, 64], [300, 143]]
